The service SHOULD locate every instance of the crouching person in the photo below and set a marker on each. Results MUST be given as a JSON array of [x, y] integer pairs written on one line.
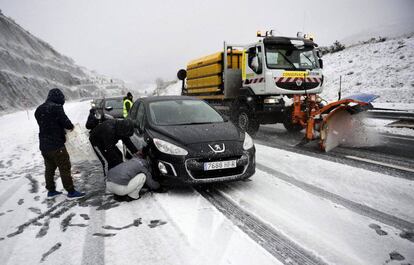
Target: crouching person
[[126, 179]]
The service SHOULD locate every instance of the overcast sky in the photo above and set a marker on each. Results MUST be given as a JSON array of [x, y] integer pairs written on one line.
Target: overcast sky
[[141, 40]]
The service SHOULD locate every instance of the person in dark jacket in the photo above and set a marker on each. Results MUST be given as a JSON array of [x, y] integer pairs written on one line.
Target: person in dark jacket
[[52, 122], [104, 138], [93, 120]]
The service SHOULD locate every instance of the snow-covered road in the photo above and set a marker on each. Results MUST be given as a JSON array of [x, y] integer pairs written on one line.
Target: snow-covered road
[[308, 201]]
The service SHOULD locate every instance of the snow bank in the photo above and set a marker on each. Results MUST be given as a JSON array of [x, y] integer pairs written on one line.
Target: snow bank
[[173, 89], [383, 68]]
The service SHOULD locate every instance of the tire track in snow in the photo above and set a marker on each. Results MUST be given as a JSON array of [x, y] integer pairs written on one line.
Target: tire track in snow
[[8, 193], [282, 248], [353, 206], [94, 246], [91, 181]]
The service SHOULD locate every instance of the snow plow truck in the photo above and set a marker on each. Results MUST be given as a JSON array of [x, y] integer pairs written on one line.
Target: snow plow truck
[[275, 80]]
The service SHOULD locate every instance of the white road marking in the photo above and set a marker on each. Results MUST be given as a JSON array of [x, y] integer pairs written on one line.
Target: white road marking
[[381, 163]]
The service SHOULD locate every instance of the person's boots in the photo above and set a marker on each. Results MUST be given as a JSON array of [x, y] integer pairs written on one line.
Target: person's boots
[[75, 195], [52, 194]]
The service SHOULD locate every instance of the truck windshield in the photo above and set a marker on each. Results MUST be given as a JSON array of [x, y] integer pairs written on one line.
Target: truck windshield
[[288, 58], [180, 112]]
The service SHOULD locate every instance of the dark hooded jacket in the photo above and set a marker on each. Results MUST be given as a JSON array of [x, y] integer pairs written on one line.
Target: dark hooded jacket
[[107, 134], [52, 121], [92, 121]]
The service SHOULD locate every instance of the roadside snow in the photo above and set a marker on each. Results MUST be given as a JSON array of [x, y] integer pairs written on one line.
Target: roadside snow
[[173, 89], [383, 68], [380, 126]]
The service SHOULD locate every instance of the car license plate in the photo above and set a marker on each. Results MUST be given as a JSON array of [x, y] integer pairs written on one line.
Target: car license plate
[[219, 165]]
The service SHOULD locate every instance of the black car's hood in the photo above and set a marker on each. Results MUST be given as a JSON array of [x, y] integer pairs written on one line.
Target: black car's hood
[[199, 133]]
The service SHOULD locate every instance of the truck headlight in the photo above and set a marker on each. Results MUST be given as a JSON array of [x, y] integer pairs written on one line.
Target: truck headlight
[[248, 142], [169, 148], [270, 101]]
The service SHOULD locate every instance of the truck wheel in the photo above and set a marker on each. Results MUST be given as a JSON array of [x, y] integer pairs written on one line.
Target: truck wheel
[[292, 127], [245, 121], [288, 124]]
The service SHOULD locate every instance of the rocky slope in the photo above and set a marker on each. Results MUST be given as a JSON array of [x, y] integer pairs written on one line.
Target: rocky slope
[[29, 67]]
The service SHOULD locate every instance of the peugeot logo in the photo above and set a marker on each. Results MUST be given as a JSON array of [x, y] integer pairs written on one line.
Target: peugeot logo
[[299, 82], [216, 148]]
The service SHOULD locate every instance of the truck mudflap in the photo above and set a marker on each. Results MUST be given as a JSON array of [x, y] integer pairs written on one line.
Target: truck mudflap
[[338, 124]]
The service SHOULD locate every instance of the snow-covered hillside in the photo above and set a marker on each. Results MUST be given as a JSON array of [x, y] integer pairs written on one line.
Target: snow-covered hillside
[[29, 67], [173, 89], [382, 68]]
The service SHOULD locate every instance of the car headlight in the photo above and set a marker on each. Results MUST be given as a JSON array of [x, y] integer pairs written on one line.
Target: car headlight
[[169, 148], [248, 142]]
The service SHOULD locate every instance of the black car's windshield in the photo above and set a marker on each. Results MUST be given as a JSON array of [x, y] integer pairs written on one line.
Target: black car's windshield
[[114, 103], [290, 58], [179, 112]]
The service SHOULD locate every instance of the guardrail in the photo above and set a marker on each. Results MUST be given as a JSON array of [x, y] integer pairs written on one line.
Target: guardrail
[[389, 114]]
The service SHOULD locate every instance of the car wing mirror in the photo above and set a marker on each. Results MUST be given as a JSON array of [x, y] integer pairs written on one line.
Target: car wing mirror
[[225, 117], [109, 108]]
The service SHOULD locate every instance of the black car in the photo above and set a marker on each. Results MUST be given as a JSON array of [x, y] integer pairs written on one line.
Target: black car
[[186, 139], [112, 107], [96, 103]]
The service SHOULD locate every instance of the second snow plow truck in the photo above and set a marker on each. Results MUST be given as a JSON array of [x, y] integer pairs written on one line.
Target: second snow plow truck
[[275, 80]]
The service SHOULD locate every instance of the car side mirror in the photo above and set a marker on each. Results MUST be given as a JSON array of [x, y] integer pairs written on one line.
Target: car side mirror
[[109, 108], [225, 117], [320, 62]]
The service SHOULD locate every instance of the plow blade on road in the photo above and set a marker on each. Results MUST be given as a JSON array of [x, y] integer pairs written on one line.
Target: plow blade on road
[[342, 121]]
